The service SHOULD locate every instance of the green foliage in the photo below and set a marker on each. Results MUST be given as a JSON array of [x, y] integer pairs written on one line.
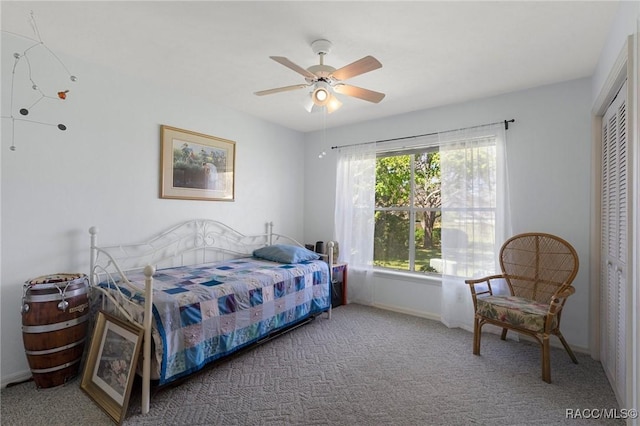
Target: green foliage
[[390, 237], [393, 181], [402, 263], [427, 268], [437, 236]]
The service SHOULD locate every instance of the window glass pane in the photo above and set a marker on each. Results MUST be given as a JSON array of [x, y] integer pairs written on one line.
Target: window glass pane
[[471, 242], [393, 181], [396, 197], [409, 187], [427, 196], [470, 175], [427, 180], [391, 241], [427, 242]]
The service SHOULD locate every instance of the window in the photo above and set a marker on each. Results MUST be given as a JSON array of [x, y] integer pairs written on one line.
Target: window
[[408, 211], [440, 207], [409, 223]]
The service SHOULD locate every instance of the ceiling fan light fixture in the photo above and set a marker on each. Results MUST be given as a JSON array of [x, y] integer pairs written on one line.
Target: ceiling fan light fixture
[[324, 81], [309, 105], [334, 104], [321, 94]]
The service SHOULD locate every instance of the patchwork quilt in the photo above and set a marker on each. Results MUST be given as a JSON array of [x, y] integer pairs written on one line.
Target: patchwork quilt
[[204, 312]]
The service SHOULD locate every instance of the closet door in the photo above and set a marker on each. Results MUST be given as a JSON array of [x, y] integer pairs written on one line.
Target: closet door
[[615, 241]]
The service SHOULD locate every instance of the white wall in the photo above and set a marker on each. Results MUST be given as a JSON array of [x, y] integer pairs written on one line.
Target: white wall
[[104, 171], [549, 175], [624, 24]]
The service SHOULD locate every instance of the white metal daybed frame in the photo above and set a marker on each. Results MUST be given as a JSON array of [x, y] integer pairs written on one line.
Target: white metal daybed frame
[[188, 243]]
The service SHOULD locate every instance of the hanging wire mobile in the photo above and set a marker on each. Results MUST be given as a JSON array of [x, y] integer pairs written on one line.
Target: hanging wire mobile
[[41, 94]]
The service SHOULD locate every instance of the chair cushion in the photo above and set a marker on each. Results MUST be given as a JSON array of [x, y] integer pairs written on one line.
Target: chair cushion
[[517, 311]]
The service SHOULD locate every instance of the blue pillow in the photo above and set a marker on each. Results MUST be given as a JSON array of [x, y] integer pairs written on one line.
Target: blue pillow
[[285, 253]]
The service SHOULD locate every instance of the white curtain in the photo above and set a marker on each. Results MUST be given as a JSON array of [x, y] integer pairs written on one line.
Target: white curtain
[[354, 215], [475, 214]]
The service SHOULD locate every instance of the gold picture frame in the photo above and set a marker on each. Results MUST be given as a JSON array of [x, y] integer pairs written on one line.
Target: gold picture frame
[[196, 166], [110, 367]]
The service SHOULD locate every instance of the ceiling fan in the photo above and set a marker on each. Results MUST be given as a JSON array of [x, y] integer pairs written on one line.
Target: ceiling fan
[[325, 79]]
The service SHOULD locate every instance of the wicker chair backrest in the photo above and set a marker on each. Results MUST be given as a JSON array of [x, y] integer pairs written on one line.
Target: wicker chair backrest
[[538, 265]]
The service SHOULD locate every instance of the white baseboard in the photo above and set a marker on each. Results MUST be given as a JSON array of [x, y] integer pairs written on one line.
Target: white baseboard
[[555, 343], [403, 310], [20, 376]]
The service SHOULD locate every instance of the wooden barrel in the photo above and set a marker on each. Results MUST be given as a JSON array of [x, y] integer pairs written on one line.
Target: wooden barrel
[[55, 314]]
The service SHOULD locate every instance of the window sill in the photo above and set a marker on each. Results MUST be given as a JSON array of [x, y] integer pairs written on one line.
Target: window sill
[[417, 277]]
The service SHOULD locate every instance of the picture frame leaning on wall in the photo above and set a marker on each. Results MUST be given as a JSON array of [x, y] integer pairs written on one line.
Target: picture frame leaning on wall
[[111, 362]]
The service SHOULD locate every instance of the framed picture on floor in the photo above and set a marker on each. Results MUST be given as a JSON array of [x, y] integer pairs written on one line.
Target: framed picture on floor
[[111, 363], [196, 166]]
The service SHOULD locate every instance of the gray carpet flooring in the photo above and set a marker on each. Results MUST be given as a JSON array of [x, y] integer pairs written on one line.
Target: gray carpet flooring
[[365, 366]]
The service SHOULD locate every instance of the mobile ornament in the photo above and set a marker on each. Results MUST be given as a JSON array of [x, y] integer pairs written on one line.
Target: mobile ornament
[[25, 64]]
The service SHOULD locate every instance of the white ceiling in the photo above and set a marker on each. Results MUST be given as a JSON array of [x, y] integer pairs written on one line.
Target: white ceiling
[[433, 53]]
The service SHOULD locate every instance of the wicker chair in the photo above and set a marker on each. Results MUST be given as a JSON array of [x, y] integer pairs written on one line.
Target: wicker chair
[[538, 269]]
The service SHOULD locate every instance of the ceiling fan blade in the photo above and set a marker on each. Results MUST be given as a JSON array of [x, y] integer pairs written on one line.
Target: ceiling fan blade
[[366, 64], [297, 68], [358, 92], [281, 89]]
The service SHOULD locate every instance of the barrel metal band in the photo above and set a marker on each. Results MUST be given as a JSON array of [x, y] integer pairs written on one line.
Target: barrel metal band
[[55, 296], [56, 368], [54, 327], [58, 349]]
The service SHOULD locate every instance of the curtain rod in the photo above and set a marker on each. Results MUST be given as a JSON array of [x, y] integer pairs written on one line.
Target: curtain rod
[[506, 127]]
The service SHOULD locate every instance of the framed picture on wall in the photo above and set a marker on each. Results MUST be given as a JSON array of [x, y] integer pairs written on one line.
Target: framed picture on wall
[[111, 363], [196, 166]]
